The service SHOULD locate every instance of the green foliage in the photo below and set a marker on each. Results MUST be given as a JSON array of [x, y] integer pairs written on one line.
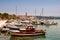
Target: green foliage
[[8, 16]]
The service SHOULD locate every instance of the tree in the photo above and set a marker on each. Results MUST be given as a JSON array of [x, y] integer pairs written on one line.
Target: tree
[[5, 15], [8, 16], [0, 15]]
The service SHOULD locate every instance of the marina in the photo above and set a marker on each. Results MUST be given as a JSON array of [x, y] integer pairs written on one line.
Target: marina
[[51, 32], [26, 27], [29, 20]]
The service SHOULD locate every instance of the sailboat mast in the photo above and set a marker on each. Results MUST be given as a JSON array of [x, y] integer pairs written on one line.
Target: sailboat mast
[[35, 12], [16, 9], [42, 11]]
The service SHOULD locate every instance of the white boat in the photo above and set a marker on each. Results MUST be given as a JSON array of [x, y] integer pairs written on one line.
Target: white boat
[[50, 22], [2, 23], [14, 29]]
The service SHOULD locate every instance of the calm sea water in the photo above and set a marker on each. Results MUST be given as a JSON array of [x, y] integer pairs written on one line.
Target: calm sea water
[[53, 33]]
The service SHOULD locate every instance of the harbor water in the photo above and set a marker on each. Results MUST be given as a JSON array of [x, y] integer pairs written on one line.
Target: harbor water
[[52, 33]]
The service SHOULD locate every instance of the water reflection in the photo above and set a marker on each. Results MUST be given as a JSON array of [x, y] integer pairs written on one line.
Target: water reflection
[[28, 38]]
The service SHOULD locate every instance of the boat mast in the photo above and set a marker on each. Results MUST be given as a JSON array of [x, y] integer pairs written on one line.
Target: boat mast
[[35, 13], [42, 11], [16, 10]]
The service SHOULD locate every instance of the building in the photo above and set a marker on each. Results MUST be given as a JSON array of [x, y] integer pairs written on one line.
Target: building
[[21, 17]]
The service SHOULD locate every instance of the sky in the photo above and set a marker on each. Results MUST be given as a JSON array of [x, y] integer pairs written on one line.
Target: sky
[[50, 7]]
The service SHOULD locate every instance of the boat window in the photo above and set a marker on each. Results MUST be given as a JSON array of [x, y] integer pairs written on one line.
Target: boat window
[[18, 25], [14, 28]]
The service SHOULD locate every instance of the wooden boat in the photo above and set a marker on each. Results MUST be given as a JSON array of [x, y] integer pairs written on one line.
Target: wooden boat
[[26, 33], [17, 34], [29, 31]]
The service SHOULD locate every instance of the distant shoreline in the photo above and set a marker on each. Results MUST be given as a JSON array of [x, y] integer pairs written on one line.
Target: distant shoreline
[[47, 17]]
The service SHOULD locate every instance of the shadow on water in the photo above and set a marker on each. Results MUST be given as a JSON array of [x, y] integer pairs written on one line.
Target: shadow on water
[[27, 38]]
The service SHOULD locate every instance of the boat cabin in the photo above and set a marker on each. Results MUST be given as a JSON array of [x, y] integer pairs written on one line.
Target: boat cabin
[[28, 30], [14, 29]]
